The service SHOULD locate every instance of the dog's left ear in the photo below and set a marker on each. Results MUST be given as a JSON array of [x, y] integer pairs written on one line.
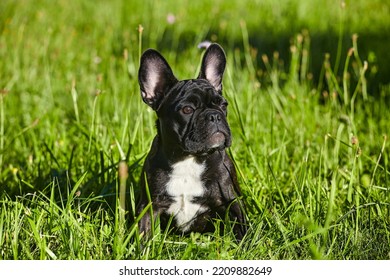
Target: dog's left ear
[[213, 66], [155, 78]]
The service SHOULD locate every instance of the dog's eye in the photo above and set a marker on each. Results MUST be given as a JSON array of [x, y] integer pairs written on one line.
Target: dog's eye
[[187, 110], [224, 106]]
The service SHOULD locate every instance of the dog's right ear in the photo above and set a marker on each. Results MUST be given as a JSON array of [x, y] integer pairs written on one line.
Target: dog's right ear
[[155, 78], [213, 66]]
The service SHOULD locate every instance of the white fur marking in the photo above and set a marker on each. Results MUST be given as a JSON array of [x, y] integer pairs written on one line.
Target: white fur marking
[[184, 185]]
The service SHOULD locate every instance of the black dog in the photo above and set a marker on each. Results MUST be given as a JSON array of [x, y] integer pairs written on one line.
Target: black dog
[[187, 171]]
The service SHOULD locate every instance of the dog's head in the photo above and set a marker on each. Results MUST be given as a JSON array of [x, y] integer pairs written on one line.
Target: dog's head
[[191, 113]]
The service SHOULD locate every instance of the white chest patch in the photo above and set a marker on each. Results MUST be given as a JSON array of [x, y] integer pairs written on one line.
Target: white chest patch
[[184, 184]]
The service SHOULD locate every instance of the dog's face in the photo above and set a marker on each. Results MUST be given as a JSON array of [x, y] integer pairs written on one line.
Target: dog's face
[[191, 113]]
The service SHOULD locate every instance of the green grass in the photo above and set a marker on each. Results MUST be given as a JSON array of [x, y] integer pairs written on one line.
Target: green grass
[[312, 156]]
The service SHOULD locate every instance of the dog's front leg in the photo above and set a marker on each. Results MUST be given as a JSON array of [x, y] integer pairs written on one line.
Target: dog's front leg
[[144, 224], [237, 216]]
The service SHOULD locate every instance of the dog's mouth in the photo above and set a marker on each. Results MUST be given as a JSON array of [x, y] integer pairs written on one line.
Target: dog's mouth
[[217, 141]]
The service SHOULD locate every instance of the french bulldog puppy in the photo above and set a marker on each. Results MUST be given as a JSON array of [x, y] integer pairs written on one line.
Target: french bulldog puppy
[[189, 175]]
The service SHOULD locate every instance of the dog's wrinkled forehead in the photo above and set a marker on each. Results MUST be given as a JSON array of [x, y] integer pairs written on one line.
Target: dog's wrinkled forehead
[[194, 91]]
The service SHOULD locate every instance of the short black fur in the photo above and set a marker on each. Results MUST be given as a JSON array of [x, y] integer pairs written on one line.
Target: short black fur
[[191, 124]]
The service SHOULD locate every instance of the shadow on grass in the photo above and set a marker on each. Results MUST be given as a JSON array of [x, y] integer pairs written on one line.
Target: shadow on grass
[[372, 48]]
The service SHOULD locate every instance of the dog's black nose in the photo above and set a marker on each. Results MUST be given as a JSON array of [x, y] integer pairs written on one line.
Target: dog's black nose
[[214, 117]]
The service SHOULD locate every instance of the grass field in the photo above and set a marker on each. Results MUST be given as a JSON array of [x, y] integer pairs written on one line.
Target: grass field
[[311, 150]]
